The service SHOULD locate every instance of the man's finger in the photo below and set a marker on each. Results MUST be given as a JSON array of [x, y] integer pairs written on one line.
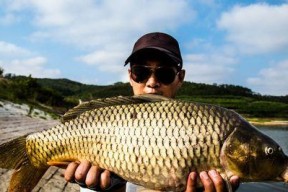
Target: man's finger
[[70, 171], [191, 182], [93, 176], [207, 182], [217, 180], [235, 182], [105, 180], [82, 170]]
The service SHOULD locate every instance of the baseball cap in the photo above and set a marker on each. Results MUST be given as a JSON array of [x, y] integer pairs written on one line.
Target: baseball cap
[[161, 42]]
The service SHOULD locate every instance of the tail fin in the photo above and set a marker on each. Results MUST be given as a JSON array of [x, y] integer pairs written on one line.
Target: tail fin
[[13, 156]]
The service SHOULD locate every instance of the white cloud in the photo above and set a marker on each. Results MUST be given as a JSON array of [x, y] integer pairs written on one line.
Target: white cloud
[[32, 66], [104, 60], [20, 61], [272, 80], [214, 68], [11, 11], [257, 28], [105, 29], [9, 49], [98, 23], [124, 76]]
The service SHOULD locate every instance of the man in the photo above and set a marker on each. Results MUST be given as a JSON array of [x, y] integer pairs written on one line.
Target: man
[[155, 68]]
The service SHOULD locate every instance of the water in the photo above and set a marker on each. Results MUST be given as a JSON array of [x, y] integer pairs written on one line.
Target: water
[[280, 135]]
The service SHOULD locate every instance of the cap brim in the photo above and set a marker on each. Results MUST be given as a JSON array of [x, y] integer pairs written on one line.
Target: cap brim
[[168, 53]]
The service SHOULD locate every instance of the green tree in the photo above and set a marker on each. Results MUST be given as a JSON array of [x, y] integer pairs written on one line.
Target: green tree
[[1, 72]]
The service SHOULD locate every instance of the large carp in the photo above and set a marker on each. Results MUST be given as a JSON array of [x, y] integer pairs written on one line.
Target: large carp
[[148, 140]]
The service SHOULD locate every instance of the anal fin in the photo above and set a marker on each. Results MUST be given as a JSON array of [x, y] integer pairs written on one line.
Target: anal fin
[[25, 177]]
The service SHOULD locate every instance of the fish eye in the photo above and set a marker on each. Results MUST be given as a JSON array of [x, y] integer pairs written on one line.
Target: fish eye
[[269, 150]]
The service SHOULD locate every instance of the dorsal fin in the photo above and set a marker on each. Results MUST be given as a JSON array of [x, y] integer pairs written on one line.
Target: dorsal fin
[[104, 102]]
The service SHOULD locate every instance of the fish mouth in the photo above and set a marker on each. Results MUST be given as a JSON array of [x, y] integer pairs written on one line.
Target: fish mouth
[[284, 175]]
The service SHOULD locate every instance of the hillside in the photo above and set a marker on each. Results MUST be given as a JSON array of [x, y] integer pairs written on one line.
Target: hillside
[[58, 95], [72, 89]]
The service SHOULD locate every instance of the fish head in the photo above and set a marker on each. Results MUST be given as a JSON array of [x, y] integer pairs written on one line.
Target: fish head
[[253, 156]]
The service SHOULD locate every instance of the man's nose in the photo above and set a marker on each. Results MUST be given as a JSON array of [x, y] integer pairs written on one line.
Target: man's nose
[[152, 81]]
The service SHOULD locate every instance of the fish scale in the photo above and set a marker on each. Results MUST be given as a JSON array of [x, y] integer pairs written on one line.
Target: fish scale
[[148, 140]]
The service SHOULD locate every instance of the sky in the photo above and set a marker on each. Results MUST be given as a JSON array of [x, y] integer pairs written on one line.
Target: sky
[[241, 42]]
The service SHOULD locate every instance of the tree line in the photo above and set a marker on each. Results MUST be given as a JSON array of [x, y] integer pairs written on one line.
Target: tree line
[[62, 94]]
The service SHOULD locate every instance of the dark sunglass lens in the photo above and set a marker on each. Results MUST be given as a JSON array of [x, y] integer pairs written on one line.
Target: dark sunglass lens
[[140, 73], [165, 75]]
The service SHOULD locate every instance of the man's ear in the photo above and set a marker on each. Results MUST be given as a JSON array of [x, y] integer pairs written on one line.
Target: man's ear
[[181, 75], [129, 76]]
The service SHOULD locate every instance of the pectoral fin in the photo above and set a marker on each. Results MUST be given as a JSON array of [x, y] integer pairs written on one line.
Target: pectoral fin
[[60, 164]]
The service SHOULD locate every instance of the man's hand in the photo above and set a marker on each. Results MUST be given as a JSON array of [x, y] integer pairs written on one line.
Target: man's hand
[[211, 180], [87, 175], [90, 176]]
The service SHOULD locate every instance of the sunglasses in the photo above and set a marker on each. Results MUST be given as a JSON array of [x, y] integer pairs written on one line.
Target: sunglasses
[[165, 75]]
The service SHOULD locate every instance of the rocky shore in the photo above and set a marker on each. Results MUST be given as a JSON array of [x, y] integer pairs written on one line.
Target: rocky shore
[[15, 122]]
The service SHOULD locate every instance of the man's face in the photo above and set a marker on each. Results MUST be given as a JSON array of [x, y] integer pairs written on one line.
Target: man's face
[[152, 85]]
